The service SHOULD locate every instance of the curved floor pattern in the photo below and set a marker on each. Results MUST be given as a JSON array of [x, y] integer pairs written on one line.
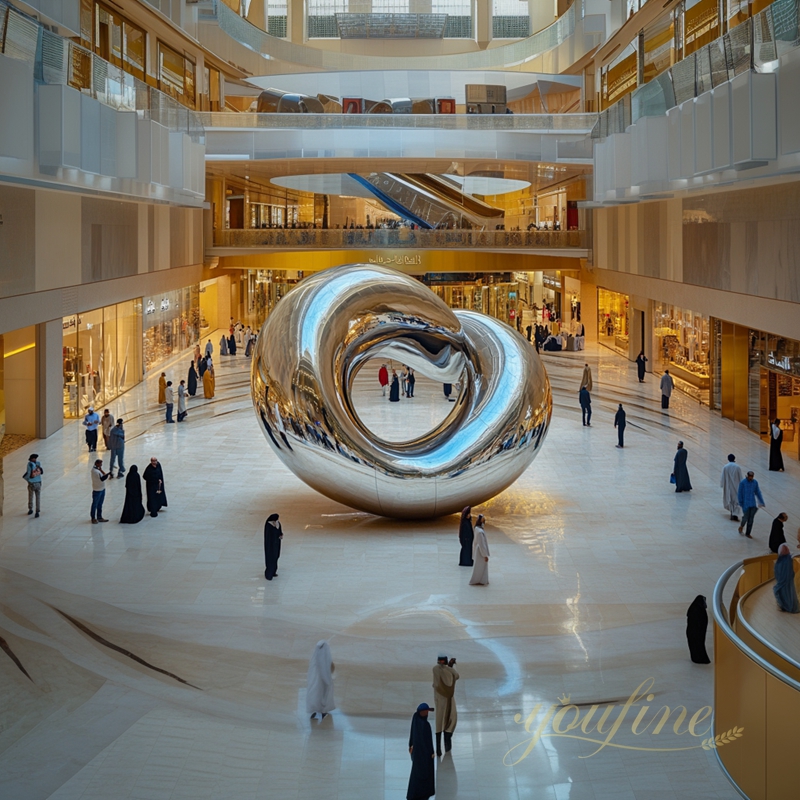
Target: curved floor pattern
[[594, 562]]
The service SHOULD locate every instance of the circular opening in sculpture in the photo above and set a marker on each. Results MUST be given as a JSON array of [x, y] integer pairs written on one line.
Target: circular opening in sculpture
[[408, 419]]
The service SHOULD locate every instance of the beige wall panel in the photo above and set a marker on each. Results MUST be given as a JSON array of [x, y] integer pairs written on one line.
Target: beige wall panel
[[58, 239], [144, 237], [161, 237], [19, 366]]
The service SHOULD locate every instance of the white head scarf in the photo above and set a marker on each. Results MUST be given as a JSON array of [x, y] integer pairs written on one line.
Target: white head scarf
[[319, 694]]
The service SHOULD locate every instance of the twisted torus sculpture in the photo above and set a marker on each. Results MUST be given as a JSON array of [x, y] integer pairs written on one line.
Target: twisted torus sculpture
[[310, 350]]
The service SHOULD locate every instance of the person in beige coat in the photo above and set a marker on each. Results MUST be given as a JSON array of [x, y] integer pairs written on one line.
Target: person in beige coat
[[444, 701]]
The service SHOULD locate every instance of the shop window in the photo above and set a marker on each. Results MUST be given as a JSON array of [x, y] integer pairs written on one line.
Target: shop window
[[135, 50], [613, 320], [176, 75], [683, 344]]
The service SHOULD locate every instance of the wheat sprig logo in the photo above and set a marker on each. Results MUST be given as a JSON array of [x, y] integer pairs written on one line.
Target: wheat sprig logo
[[713, 742]]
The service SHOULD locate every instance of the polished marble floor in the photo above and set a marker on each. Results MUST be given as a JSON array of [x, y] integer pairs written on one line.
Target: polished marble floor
[[158, 662]]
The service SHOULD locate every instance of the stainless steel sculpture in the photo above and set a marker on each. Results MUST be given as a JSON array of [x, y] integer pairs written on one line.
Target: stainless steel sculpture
[[320, 335]]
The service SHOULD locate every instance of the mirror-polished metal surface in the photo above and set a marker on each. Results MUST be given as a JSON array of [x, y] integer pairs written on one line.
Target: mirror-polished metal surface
[[319, 336]]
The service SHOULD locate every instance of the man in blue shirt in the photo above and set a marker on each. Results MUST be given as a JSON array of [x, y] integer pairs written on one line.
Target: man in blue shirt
[[750, 499], [91, 422], [33, 475]]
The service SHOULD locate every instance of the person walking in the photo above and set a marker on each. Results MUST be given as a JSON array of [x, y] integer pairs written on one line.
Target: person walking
[[319, 685], [208, 383], [106, 424], [585, 400], [182, 401], [192, 381], [750, 500], [777, 537], [154, 482], [586, 378], [480, 555], [33, 477], [91, 422], [232, 345], [383, 379], [223, 345], [273, 535], [696, 627], [98, 491], [730, 480], [641, 360], [775, 442], [412, 379], [117, 447], [681, 471], [404, 381], [620, 423], [667, 385], [162, 388], [784, 588], [202, 366], [422, 782], [133, 510], [169, 400], [209, 348], [466, 536], [444, 689]]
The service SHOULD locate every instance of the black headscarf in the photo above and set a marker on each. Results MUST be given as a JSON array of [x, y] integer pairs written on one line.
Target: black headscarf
[[422, 783], [272, 546], [133, 510]]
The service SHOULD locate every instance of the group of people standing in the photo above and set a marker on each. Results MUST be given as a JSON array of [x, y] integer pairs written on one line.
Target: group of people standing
[[133, 509], [405, 383]]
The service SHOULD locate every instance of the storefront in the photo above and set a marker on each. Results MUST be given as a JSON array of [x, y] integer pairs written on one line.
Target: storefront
[[259, 292], [494, 294], [171, 324], [683, 346], [613, 320], [102, 355]]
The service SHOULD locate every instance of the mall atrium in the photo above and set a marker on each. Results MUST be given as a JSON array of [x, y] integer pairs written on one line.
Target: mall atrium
[[575, 224]]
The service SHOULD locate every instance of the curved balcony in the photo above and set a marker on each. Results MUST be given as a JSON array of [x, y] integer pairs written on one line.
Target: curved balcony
[[756, 682], [566, 243]]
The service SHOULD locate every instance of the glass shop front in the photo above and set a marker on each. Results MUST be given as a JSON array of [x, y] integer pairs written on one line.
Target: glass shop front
[[171, 324], [683, 346], [495, 294], [102, 355], [613, 320]]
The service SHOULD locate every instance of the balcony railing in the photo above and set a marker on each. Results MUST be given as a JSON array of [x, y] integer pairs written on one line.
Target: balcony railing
[[757, 44], [57, 60], [401, 238], [530, 123]]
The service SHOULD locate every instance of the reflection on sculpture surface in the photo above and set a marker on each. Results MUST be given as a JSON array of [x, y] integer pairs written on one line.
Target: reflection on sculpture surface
[[320, 335]]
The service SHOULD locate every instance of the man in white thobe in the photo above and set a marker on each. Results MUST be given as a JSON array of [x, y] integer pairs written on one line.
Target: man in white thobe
[[444, 701], [667, 385], [731, 478]]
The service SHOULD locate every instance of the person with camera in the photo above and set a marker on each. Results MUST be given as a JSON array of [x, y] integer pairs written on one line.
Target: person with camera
[[444, 689], [33, 477]]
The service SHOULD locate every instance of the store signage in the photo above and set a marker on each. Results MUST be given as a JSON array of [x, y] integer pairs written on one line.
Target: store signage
[[784, 363], [68, 323], [400, 261], [548, 281], [165, 304], [150, 308]]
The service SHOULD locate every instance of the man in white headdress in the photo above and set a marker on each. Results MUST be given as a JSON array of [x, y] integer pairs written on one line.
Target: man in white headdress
[[444, 689], [731, 478], [319, 694]]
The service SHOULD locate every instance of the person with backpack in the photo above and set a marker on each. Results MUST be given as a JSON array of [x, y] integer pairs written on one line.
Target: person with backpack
[[33, 476]]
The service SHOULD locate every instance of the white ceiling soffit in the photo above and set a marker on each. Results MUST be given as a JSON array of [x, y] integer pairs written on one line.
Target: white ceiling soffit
[[478, 184], [341, 185]]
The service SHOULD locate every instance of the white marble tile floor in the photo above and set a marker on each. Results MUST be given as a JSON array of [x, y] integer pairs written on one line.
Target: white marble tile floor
[[594, 562]]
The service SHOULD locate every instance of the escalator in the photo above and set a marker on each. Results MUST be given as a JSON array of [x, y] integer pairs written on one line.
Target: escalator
[[430, 201]]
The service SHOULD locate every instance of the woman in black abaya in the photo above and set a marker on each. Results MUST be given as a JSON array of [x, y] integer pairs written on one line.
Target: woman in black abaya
[[422, 783], [191, 383], [696, 626], [273, 534], [232, 345], [466, 536], [156, 493], [394, 389], [680, 470], [133, 510], [775, 442]]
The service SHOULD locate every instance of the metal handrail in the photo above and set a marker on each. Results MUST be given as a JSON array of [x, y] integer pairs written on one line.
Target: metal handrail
[[720, 618]]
